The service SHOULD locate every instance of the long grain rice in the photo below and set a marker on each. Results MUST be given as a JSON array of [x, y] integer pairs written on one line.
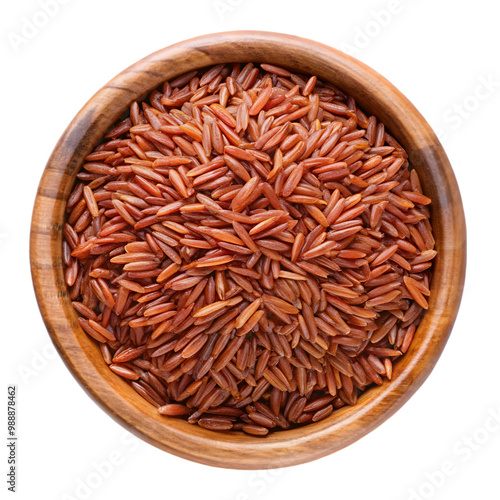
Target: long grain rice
[[249, 249]]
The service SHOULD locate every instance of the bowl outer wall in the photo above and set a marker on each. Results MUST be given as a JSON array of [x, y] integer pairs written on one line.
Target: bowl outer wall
[[230, 449]]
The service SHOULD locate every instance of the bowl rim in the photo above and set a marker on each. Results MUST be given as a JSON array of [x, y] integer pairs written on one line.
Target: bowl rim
[[233, 450]]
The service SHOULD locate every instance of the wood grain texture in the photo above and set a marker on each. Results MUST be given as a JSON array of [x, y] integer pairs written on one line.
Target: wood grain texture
[[233, 449]]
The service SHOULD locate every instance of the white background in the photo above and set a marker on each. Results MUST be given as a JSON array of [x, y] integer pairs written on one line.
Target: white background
[[444, 56]]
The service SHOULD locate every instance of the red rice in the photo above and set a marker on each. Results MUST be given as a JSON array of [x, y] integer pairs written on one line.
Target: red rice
[[249, 249]]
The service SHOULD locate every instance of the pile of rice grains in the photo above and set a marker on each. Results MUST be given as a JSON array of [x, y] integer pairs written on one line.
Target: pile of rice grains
[[248, 248]]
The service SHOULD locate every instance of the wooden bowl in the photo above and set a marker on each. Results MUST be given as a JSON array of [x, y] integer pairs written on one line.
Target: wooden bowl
[[82, 356]]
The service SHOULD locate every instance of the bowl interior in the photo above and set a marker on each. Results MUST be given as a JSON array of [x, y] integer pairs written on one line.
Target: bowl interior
[[233, 449]]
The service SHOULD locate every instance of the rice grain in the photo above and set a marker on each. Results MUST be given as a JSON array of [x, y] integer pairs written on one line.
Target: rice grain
[[249, 249]]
